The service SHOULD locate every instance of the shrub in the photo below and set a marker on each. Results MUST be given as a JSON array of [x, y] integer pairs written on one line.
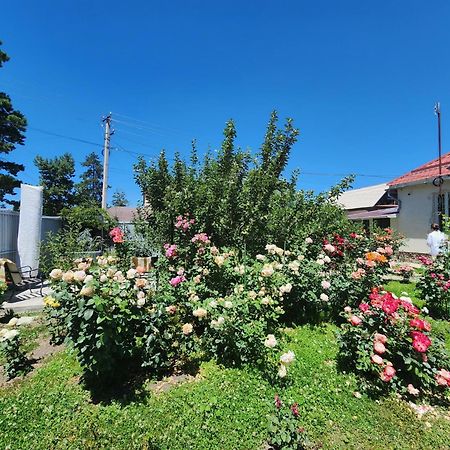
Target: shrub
[[285, 432], [434, 285], [388, 344], [17, 362]]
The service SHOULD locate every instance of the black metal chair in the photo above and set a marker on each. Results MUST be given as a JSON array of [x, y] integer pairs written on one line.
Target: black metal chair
[[23, 278]]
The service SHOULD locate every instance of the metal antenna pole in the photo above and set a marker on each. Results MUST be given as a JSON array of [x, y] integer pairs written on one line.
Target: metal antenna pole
[[441, 207], [107, 122]]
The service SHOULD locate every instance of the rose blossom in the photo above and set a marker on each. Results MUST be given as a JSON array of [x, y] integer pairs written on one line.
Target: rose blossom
[[267, 270], [287, 358], [260, 257], [421, 342], [412, 390], [329, 248], [282, 371], [377, 359], [103, 278], [355, 320], [228, 304], [187, 328], [141, 283], [326, 259], [131, 273], [270, 341], [380, 338], [200, 313], [171, 309], [56, 274], [87, 291], [68, 276], [177, 280], [348, 309], [324, 297], [308, 240], [388, 373], [219, 260], [79, 275], [286, 289], [379, 347], [326, 284], [364, 307]]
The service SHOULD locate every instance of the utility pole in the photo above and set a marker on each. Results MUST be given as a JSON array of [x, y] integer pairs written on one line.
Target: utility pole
[[107, 122], [439, 180]]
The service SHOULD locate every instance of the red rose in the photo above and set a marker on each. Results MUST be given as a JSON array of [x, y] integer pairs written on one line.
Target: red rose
[[390, 304], [421, 342]]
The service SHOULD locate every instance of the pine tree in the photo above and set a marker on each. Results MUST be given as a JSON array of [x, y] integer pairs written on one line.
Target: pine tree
[[12, 127], [56, 175], [119, 199], [89, 189]]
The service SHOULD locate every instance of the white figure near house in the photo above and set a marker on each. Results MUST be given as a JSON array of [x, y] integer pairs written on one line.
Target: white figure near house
[[435, 240]]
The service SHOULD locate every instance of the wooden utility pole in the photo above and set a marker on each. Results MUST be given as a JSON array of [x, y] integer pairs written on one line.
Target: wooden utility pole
[[107, 122]]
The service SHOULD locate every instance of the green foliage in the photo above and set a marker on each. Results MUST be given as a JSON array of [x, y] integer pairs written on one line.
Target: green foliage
[[119, 199], [61, 248], [16, 361], [12, 128], [56, 176], [388, 345], [434, 286], [3, 288], [89, 190], [240, 201], [285, 432], [88, 217]]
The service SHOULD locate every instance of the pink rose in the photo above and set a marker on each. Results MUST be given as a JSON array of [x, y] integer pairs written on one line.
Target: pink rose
[[379, 347], [326, 284], [364, 307], [377, 359], [412, 390], [355, 320], [388, 373], [380, 338], [348, 309]]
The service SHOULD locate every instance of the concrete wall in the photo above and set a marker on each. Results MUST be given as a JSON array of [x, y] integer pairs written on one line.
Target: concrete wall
[[416, 215]]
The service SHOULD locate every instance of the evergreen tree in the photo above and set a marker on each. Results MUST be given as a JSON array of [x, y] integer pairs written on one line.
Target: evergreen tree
[[89, 189], [12, 127], [56, 175], [119, 199]]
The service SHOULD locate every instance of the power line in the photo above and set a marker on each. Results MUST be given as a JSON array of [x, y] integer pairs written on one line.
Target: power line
[[152, 125], [345, 174], [63, 136]]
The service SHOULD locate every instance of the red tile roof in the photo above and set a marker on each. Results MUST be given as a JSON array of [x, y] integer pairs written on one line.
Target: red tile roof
[[428, 171]]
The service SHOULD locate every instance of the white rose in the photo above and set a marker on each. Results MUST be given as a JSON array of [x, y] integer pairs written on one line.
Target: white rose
[[140, 302], [267, 270], [270, 341], [287, 358], [228, 304], [13, 322], [219, 260], [321, 262], [187, 328], [324, 297], [265, 301], [285, 289], [87, 291], [131, 273], [271, 249], [327, 259], [9, 334], [200, 313], [88, 279], [260, 257], [282, 371], [56, 274], [68, 276], [212, 303], [240, 269], [252, 295], [308, 240], [326, 284], [301, 257], [79, 275], [103, 278]]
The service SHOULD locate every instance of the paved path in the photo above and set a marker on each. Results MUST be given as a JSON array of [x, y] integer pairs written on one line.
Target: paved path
[[26, 301]]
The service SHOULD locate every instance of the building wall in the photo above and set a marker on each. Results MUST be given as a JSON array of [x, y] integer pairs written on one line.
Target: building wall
[[415, 216]]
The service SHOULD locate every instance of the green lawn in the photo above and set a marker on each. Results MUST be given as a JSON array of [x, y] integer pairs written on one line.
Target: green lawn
[[399, 288], [221, 409]]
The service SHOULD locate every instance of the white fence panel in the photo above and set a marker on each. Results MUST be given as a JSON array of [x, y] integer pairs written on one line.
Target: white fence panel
[[9, 229]]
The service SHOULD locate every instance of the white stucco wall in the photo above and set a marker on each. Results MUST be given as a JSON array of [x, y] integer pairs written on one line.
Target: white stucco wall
[[416, 215]]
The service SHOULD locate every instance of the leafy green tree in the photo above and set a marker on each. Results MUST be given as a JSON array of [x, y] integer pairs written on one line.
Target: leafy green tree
[[56, 176], [239, 199], [89, 190], [12, 127], [119, 199]]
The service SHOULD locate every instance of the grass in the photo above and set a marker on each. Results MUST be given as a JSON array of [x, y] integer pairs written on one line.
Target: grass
[[222, 409]]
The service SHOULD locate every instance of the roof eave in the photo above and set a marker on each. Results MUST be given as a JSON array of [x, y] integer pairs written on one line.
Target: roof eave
[[412, 183]]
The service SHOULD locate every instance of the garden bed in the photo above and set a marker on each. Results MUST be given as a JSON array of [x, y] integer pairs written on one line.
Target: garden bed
[[223, 409]]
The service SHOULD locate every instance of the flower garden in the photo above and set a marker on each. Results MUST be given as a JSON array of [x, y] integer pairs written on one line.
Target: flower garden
[[264, 320]]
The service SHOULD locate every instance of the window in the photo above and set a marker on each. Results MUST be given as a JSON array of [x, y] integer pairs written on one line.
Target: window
[[441, 203]]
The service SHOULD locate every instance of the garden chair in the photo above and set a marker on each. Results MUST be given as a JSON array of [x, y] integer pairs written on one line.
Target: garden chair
[[22, 278]]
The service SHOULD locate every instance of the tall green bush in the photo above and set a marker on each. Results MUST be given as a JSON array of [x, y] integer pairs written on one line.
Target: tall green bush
[[240, 200]]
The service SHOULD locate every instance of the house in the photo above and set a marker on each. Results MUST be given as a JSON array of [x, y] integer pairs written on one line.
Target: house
[[409, 204], [421, 194], [372, 205], [124, 215]]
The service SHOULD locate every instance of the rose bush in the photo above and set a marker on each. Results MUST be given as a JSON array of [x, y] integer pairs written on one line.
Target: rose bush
[[434, 285], [390, 346]]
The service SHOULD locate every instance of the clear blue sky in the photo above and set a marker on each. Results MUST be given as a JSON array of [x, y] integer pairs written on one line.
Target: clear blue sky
[[359, 78]]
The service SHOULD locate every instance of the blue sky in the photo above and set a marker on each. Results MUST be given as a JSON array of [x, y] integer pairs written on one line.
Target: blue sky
[[359, 78]]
